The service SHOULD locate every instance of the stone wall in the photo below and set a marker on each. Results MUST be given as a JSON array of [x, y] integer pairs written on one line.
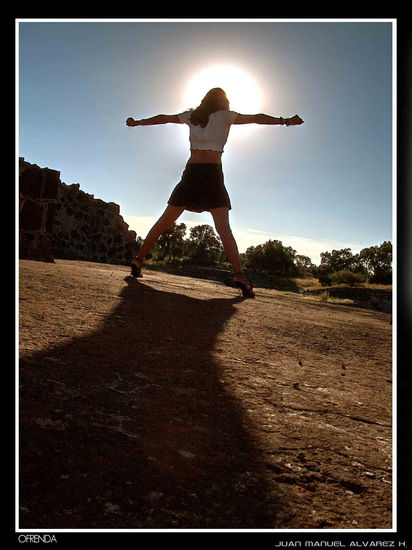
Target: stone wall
[[38, 191], [90, 229], [62, 221]]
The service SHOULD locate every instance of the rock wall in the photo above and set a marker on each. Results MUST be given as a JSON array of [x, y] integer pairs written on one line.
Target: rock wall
[[38, 191], [62, 221], [90, 229]]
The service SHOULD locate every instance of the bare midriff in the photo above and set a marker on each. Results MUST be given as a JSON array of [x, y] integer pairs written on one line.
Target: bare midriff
[[207, 156]]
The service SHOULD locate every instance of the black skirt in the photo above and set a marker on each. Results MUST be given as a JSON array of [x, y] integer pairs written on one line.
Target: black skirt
[[201, 188]]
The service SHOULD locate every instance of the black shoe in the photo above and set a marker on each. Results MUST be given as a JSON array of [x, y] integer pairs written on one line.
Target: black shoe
[[246, 288], [136, 270]]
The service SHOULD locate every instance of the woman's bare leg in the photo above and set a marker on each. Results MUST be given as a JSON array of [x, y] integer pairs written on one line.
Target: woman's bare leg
[[166, 220], [221, 219]]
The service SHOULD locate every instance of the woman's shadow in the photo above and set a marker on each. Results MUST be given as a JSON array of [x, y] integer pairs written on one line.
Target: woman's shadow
[[131, 427]]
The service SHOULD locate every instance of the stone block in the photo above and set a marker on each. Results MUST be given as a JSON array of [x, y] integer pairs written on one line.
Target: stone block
[[31, 215], [51, 183], [31, 182]]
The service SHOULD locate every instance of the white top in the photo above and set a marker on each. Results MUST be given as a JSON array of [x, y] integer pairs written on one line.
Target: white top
[[214, 136]]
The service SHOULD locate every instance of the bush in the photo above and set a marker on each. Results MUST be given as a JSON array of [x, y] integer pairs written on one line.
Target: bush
[[347, 277]]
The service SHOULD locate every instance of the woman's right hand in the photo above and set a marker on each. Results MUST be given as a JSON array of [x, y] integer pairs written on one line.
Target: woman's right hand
[[131, 121], [294, 121]]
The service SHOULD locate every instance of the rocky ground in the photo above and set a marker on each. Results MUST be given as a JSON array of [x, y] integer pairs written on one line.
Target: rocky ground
[[171, 403]]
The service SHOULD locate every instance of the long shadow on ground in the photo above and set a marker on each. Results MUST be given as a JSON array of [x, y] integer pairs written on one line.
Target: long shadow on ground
[[131, 427]]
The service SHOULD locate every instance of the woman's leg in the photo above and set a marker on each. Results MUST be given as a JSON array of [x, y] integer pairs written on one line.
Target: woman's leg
[[166, 220], [221, 219]]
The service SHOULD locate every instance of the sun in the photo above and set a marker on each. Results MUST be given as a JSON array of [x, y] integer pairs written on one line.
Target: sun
[[241, 88]]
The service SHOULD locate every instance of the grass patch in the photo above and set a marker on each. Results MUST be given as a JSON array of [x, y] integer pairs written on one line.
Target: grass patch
[[325, 297], [314, 284]]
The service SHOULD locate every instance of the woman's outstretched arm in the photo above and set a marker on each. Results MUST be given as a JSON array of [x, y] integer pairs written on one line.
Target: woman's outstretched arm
[[158, 119], [267, 119]]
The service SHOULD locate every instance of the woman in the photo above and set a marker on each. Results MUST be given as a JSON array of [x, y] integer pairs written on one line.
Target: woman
[[202, 186]]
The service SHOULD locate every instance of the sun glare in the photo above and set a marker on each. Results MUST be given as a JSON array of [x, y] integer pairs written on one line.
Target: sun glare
[[241, 89]]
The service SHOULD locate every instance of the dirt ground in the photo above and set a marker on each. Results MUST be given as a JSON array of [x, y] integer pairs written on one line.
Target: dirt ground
[[171, 403]]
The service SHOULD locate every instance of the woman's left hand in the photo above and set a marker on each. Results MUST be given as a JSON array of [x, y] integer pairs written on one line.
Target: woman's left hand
[[130, 121], [294, 121]]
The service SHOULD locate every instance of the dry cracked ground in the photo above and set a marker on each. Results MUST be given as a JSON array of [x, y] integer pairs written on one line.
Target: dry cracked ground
[[171, 403]]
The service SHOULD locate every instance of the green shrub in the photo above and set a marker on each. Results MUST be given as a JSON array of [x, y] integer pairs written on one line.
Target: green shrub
[[347, 277]]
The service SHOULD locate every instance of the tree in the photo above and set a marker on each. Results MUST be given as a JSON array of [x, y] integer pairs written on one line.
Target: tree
[[171, 241], [332, 262], [272, 257], [203, 246], [374, 262], [324, 275], [378, 262], [304, 265], [337, 260]]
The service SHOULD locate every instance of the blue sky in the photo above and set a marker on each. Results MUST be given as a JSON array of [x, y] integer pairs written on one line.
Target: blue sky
[[323, 185]]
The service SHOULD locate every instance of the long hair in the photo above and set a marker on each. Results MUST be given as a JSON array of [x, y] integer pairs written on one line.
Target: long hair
[[214, 100]]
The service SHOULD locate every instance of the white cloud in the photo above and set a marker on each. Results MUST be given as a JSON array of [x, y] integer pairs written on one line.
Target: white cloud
[[140, 224]]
